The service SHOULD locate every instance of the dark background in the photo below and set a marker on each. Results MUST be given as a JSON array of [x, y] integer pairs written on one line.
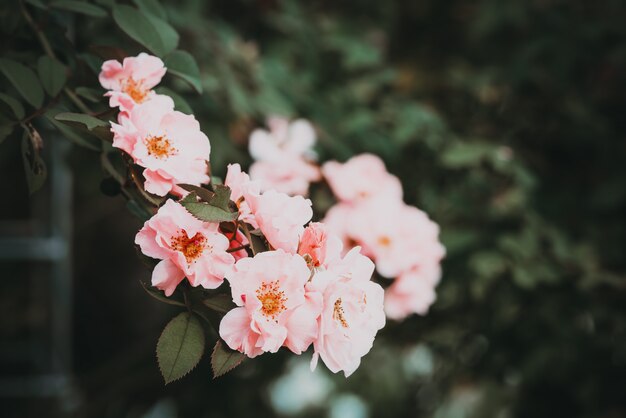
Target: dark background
[[505, 121]]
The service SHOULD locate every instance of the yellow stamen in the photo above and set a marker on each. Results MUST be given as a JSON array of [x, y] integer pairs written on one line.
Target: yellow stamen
[[192, 248], [272, 299]]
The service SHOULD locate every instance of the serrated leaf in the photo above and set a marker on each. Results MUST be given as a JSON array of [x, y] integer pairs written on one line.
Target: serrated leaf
[[180, 346], [14, 104], [52, 74], [183, 65], [219, 303], [34, 166], [169, 36], [204, 194], [136, 25], [207, 212], [24, 79], [221, 198], [81, 7], [223, 359], [152, 7]]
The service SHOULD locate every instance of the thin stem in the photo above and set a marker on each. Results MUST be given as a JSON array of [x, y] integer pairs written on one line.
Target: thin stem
[[186, 298], [76, 100], [233, 250], [45, 44], [40, 34], [247, 233]]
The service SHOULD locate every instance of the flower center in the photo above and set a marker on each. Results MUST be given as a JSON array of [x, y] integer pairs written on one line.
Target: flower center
[[191, 248], [272, 299], [159, 146], [339, 314], [384, 241], [135, 90]]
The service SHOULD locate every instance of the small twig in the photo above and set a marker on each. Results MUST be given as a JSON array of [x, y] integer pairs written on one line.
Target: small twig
[[186, 298], [40, 34], [45, 44], [234, 250], [79, 103], [247, 234]]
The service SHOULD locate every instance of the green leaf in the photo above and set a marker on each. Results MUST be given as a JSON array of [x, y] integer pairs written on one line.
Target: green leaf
[[183, 65], [466, 154], [206, 212], [85, 139], [222, 197], [52, 74], [223, 359], [216, 209], [220, 303], [152, 7], [90, 122], [136, 25], [90, 94], [180, 346], [37, 3], [179, 103], [24, 79], [81, 7], [169, 36], [204, 194], [138, 210], [14, 104], [34, 165]]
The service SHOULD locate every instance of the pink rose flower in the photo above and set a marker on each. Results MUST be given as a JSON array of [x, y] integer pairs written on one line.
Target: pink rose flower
[[242, 188], [167, 143], [412, 292], [283, 138], [186, 246], [281, 218], [272, 308], [131, 82], [292, 175], [361, 177], [318, 247], [283, 156], [338, 220], [401, 239], [395, 235], [352, 313]]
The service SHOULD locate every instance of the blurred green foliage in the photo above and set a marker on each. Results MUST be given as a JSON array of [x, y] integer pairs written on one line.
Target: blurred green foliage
[[505, 122]]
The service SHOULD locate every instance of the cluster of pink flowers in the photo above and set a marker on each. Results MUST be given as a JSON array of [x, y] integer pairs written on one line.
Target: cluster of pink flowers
[[300, 290], [168, 144], [401, 239], [371, 213]]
